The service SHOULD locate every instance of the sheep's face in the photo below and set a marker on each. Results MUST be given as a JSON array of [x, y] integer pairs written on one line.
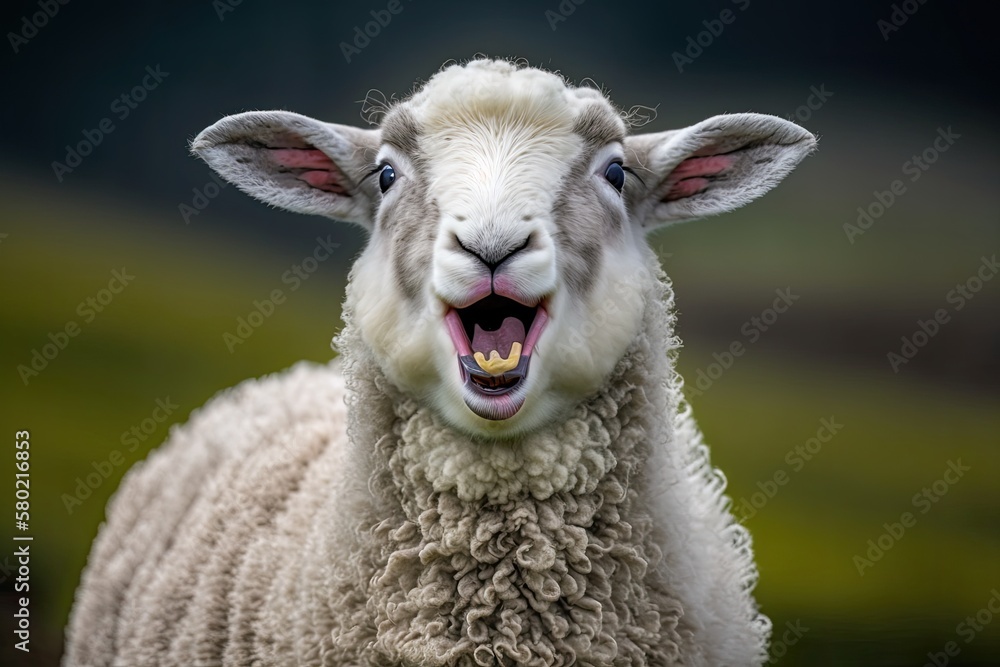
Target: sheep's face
[[500, 241], [506, 272]]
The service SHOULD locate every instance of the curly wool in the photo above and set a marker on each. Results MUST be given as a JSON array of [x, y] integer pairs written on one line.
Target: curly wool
[[546, 551], [537, 552], [602, 540]]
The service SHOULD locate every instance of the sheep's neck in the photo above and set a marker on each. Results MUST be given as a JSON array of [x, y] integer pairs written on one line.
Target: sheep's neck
[[527, 553]]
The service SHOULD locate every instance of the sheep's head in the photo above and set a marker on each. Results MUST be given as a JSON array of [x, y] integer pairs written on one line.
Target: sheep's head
[[505, 274]]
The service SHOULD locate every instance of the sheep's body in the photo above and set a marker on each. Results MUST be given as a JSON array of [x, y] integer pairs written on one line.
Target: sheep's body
[[456, 512], [612, 546], [254, 464]]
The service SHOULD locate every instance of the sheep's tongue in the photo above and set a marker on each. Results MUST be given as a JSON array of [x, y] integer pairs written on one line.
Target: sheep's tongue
[[512, 330]]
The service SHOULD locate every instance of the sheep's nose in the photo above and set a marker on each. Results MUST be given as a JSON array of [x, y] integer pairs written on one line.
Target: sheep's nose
[[492, 254]]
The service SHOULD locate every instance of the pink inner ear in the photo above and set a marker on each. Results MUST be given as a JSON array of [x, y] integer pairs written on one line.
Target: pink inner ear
[[318, 170], [694, 174]]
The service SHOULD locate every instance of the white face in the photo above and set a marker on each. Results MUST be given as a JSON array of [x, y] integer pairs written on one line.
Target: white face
[[526, 285]]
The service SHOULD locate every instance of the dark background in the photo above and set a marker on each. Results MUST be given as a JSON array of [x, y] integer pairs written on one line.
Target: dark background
[[826, 358]]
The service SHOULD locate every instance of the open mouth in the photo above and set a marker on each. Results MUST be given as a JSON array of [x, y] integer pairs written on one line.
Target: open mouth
[[494, 339]]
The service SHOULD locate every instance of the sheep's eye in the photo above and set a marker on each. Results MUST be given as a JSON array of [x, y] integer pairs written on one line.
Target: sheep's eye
[[615, 174], [386, 177]]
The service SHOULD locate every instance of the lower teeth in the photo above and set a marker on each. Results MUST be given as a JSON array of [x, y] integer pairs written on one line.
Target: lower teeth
[[496, 365]]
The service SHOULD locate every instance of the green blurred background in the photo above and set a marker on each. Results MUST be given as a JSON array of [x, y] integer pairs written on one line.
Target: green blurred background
[[825, 358]]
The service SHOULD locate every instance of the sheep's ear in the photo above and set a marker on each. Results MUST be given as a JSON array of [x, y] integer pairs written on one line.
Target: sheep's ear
[[294, 162], [712, 167]]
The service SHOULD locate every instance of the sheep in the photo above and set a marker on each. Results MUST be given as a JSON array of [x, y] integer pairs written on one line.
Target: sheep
[[499, 467]]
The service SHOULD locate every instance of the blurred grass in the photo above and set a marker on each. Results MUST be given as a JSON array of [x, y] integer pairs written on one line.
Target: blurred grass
[[896, 439], [162, 337]]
